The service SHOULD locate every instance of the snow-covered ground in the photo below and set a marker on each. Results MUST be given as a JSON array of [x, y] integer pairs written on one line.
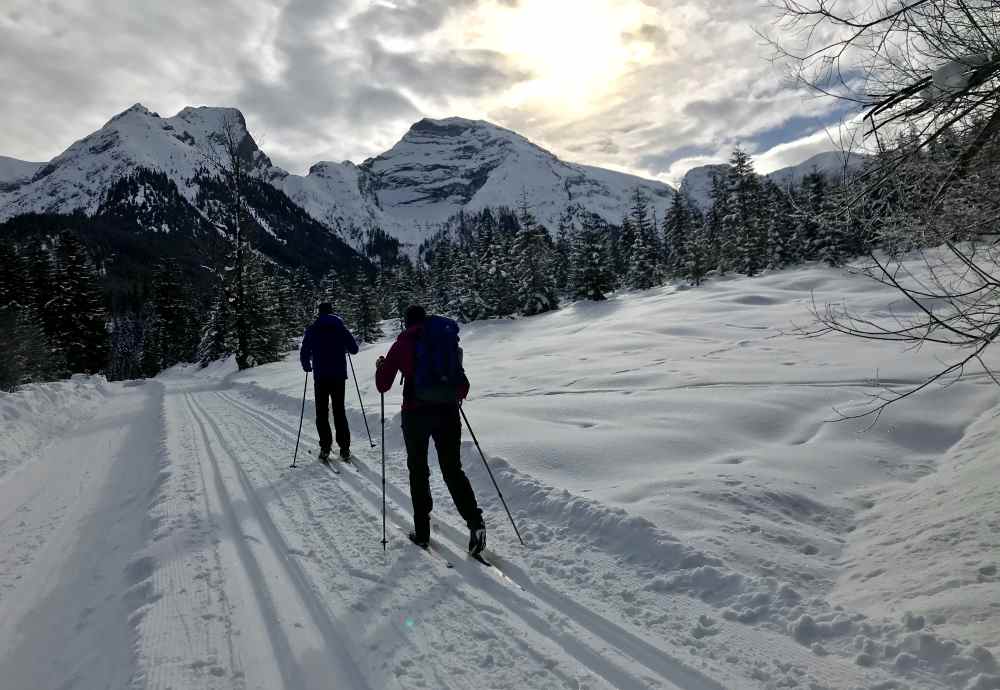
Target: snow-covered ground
[[692, 519]]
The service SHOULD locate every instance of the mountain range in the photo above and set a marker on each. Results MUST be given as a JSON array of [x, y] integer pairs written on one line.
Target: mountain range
[[438, 168]]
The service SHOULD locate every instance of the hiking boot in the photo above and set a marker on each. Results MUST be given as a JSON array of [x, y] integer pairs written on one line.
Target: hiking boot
[[477, 540], [421, 533], [422, 542]]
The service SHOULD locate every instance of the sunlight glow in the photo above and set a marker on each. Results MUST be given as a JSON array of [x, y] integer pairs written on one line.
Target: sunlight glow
[[576, 50]]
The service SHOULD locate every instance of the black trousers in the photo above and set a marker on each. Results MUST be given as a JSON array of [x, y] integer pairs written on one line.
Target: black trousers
[[330, 393], [443, 424]]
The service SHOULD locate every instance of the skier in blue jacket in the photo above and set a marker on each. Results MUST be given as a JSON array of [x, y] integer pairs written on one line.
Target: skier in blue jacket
[[323, 348]]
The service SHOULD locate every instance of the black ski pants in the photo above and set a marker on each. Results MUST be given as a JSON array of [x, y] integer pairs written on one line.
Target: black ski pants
[[443, 424], [330, 393]]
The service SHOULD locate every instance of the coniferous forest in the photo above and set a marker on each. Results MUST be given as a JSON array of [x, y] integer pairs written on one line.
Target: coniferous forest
[[89, 295]]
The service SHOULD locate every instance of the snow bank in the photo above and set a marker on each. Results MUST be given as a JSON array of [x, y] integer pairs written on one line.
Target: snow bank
[[39, 412], [686, 436]]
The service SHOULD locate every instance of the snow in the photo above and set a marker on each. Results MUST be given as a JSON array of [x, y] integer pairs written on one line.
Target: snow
[[442, 166], [438, 168], [78, 178], [14, 172], [692, 518], [834, 165]]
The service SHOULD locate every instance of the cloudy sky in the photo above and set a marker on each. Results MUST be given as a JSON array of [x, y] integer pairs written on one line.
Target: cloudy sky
[[652, 87]]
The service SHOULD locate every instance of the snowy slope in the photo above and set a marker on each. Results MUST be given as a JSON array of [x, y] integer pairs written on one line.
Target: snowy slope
[[692, 518], [14, 173], [78, 178], [697, 182], [437, 169], [442, 166], [834, 165], [339, 195]]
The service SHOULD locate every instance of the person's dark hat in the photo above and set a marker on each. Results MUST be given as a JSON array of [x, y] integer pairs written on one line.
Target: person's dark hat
[[415, 314], [325, 308]]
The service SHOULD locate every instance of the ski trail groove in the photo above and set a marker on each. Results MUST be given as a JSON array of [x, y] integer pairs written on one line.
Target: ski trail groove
[[521, 601], [588, 656], [334, 660], [583, 658]]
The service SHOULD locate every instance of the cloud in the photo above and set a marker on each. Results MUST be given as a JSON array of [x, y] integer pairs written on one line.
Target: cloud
[[647, 33], [343, 79]]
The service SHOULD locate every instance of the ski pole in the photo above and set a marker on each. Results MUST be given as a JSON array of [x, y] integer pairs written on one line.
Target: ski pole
[[360, 402], [384, 542], [301, 416], [483, 456]]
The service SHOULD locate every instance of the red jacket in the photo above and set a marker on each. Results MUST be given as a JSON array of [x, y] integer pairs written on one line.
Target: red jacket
[[402, 358]]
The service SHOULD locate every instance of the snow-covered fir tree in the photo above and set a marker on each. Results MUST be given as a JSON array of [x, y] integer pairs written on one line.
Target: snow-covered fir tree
[[592, 276], [678, 226], [643, 265], [741, 224], [535, 284], [77, 306]]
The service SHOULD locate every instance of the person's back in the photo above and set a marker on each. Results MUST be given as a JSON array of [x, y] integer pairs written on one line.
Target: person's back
[[424, 419], [325, 343], [324, 348]]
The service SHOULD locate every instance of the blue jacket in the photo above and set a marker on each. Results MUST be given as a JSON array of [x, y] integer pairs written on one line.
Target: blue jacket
[[324, 345]]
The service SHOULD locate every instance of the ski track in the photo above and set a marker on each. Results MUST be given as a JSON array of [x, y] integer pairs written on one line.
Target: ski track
[[359, 493], [218, 567], [609, 609], [294, 617], [602, 646]]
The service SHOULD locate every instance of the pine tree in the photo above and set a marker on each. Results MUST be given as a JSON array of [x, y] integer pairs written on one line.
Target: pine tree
[[718, 245], [303, 296], [267, 339], [742, 222], [677, 228], [77, 303], [536, 290], [561, 261], [778, 227], [170, 331], [367, 327], [591, 277], [642, 271], [333, 290], [467, 304], [698, 255], [497, 278], [216, 341]]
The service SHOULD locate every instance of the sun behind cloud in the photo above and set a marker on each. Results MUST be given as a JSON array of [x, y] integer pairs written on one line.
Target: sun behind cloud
[[575, 50]]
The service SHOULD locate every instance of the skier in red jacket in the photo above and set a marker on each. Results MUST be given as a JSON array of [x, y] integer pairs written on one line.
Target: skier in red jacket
[[422, 421]]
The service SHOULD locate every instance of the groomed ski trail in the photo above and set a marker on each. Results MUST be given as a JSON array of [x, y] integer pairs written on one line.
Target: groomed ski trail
[[166, 544], [583, 638]]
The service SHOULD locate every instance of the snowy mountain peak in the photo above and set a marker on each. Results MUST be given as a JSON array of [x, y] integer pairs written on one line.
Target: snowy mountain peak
[[438, 168], [178, 146]]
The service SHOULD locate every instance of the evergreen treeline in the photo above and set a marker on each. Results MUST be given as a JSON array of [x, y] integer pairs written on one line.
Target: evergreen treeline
[[62, 311]]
